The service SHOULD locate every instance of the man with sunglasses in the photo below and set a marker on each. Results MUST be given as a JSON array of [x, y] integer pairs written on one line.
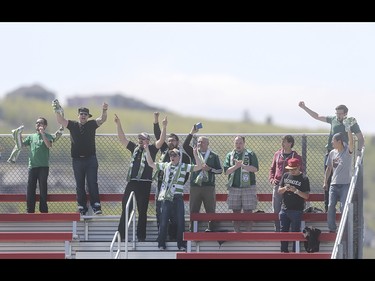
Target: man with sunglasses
[[40, 142], [139, 177], [83, 152]]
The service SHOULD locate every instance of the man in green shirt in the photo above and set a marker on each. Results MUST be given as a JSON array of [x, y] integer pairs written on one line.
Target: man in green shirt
[[39, 143]]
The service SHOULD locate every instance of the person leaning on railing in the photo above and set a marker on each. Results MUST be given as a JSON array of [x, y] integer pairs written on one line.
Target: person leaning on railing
[[339, 164], [338, 124]]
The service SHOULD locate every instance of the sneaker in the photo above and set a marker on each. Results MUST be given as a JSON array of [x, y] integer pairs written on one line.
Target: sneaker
[[97, 211], [208, 230], [182, 249], [82, 210], [161, 248]]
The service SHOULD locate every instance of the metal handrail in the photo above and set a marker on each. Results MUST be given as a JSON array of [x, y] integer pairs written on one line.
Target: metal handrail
[[116, 237], [337, 251], [128, 220]]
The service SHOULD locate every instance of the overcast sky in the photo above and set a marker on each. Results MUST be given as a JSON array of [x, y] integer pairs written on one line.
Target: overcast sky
[[213, 70]]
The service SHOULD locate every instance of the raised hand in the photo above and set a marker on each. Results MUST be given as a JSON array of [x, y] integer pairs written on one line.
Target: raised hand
[[348, 122], [117, 119], [57, 107], [165, 121]]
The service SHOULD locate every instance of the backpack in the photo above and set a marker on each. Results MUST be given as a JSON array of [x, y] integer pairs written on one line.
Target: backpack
[[312, 239], [313, 210]]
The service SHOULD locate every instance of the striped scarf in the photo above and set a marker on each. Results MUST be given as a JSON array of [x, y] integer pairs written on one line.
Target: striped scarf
[[57, 107], [142, 164], [161, 159], [175, 185], [245, 175], [58, 134], [16, 133], [203, 175]]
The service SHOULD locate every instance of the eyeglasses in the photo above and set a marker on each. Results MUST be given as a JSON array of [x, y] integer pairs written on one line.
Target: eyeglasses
[[83, 113]]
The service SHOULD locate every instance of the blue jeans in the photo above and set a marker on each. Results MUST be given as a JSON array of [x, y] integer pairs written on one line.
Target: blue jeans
[[276, 205], [337, 192], [174, 210], [289, 220], [172, 227], [86, 169]]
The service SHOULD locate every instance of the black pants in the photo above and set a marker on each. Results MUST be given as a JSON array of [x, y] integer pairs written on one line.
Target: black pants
[[142, 194], [40, 175]]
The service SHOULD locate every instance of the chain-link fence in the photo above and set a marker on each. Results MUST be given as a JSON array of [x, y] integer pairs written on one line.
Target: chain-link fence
[[114, 162]]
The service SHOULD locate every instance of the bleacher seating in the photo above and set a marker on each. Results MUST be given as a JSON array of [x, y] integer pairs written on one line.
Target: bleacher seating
[[92, 234]]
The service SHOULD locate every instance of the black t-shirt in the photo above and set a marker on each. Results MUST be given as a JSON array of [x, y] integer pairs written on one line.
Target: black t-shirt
[[147, 172], [292, 201], [82, 138]]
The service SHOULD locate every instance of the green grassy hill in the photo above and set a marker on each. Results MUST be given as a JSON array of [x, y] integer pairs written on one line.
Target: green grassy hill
[[15, 112]]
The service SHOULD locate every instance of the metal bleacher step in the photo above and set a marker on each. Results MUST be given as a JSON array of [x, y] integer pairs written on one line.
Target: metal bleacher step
[[94, 239], [143, 250]]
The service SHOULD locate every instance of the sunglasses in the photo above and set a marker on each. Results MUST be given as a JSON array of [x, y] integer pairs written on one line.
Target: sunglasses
[[83, 113]]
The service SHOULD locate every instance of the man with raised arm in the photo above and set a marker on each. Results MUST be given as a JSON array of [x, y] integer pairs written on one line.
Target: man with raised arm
[[139, 176], [83, 152]]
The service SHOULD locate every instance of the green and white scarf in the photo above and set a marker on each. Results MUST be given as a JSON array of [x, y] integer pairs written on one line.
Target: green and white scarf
[[161, 159], [168, 189], [58, 134], [57, 107], [203, 175], [245, 175], [16, 133], [142, 164]]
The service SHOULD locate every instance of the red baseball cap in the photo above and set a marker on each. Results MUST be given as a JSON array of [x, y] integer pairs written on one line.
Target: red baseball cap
[[293, 163]]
